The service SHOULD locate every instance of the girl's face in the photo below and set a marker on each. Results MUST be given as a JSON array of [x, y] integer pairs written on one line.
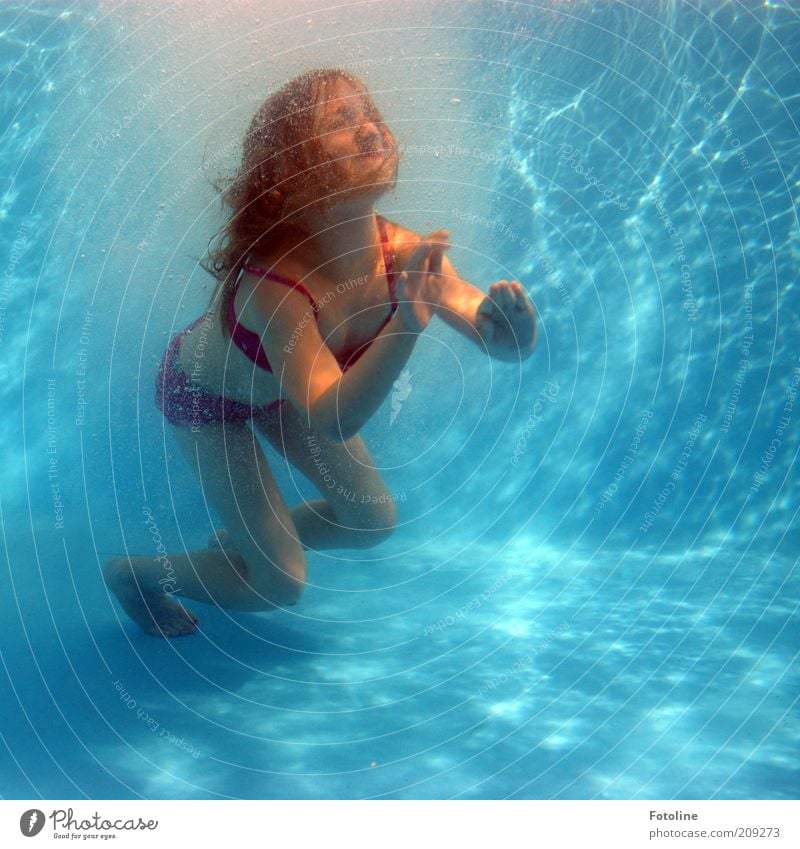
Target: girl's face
[[359, 148]]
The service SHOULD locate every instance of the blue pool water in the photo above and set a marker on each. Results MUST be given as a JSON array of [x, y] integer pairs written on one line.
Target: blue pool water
[[593, 591]]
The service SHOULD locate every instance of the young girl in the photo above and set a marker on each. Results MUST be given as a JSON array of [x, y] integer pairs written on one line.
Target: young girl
[[319, 303]]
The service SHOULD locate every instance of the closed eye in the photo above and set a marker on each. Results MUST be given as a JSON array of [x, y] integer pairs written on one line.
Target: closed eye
[[345, 117]]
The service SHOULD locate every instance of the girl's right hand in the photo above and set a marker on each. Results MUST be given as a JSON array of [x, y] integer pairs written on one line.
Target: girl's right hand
[[419, 286]]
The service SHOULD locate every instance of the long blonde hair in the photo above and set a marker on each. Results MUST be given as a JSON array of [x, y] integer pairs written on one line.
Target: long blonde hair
[[283, 172]]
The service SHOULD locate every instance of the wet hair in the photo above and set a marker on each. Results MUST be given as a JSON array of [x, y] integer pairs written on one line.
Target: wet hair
[[283, 173]]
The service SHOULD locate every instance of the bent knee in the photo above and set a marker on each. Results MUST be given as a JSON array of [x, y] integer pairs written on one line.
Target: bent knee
[[375, 524], [288, 592], [276, 593], [278, 581]]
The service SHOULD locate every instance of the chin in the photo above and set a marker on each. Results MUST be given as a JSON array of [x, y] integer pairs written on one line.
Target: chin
[[370, 192], [378, 168], [363, 179], [374, 179]]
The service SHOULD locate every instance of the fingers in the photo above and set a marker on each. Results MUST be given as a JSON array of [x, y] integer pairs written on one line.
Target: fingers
[[509, 296], [438, 240], [435, 261], [521, 302], [424, 261], [418, 257], [501, 295]]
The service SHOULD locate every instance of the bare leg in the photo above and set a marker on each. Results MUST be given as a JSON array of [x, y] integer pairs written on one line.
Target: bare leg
[[317, 530], [355, 510], [264, 567], [144, 586], [154, 612], [258, 562], [316, 526], [217, 575]]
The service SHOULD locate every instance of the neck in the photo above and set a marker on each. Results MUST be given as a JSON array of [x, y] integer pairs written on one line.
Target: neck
[[346, 238]]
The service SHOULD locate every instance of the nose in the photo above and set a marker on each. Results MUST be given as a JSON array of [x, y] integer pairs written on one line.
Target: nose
[[368, 132]]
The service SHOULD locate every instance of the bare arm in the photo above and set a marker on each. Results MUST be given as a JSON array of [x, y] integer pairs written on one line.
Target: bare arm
[[344, 407], [339, 403], [501, 323]]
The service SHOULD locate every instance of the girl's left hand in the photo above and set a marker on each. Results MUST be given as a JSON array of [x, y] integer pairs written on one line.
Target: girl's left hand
[[506, 320]]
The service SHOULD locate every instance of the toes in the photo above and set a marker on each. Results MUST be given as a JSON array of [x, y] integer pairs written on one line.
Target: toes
[[171, 619], [173, 629], [184, 623]]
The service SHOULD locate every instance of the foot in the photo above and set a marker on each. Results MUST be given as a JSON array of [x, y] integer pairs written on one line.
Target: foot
[[219, 539], [154, 612]]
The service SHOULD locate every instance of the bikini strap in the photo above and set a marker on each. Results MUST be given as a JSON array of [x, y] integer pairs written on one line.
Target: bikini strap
[[388, 261], [285, 281]]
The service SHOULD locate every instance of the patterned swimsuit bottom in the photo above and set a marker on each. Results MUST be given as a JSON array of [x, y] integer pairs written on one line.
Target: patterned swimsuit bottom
[[185, 404]]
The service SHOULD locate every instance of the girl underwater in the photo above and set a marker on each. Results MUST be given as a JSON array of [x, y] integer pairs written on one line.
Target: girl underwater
[[318, 305]]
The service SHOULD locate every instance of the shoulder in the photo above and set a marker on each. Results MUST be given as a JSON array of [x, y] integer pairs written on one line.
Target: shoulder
[[402, 240], [261, 298], [397, 231], [262, 269], [275, 261]]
